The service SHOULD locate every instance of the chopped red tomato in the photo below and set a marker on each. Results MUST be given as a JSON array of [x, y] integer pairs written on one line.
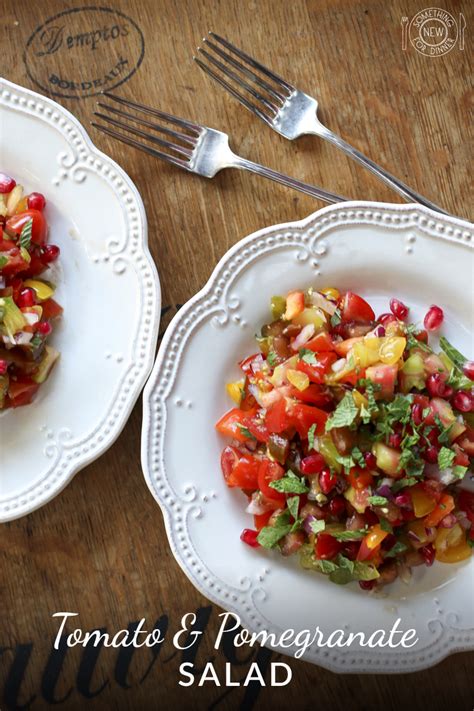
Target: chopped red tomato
[[303, 417], [239, 469], [317, 371], [268, 472], [233, 424], [15, 224], [327, 547], [277, 419], [320, 343], [370, 545], [360, 478], [355, 308]]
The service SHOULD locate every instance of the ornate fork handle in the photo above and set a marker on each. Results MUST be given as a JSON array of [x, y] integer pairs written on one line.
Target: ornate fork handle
[[393, 182], [312, 190]]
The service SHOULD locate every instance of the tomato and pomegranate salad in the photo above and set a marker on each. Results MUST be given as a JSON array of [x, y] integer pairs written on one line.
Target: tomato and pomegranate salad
[[352, 439], [27, 307]]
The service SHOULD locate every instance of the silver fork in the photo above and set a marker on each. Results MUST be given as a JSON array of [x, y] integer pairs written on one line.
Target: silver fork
[[188, 145], [289, 111]]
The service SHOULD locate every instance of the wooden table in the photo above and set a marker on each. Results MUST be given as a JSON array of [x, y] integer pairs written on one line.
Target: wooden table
[[100, 547]]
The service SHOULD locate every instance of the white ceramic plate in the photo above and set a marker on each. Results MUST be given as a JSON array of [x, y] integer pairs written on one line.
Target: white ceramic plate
[[108, 286], [379, 251]]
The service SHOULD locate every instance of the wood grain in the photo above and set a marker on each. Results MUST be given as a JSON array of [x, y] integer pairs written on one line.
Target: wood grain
[[100, 548]]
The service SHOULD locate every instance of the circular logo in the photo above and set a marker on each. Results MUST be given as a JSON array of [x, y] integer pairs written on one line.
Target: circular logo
[[433, 32], [84, 51]]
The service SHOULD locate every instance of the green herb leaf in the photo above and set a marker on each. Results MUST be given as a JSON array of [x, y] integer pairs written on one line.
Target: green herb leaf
[[358, 457], [317, 526], [385, 525], [272, 359], [344, 414], [270, 535], [415, 468], [36, 341], [397, 548], [348, 535], [326, 566], [311, 432], [308, 356], [347, 462], [377, 500], [3, 261], [458, 380], [443, 437], [459, 471], [445, 458], [293, 505], [453, 354], [289, 484], [336, 318], [25, 235], [402, 483]]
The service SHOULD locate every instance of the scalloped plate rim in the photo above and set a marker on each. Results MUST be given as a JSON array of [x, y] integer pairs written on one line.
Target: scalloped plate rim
[[138, 385], [452, 647]]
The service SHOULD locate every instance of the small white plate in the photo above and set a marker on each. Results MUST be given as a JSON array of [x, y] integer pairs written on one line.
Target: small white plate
[[378, 250], [108, 286]]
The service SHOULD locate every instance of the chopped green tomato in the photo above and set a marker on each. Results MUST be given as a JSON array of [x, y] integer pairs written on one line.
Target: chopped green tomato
[[387, 458], [328, 449], [49, 359], [278, 306], [12, 318]]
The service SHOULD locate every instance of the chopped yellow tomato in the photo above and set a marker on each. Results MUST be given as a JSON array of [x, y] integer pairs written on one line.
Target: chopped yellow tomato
[[423, 503], [42, 290], [391, 349], [359, 399], [235, 391], [298, 379], [331, 293]]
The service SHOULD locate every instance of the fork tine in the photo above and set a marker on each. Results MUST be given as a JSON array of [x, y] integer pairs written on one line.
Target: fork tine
[[240, 97], [138, 132], [190, 140], [232, 75], [253, 62], [155, 112], [248, 72], [136, 144]]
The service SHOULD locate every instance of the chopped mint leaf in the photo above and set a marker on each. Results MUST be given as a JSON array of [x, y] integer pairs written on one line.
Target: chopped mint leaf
[[270, 535], [36, 341], [410, 440], [426, 412], [347, 462], [344, 414], [415, 468], [385, 525], [453, 354], [289, 484], [311, 432], [445, 458], [377, 500], [326, 566], [399, 410], [358, 457], [348, 535], [459, 471], [405, 482], [317, 526], [412, 342], [458, 380], [443, 437], [293, 505], [336, 318], [25, 235], [308, 356], [3, 261], [272, 359], [397, 548]]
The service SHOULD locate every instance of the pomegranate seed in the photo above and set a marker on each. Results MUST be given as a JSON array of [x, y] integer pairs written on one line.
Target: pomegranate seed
[[398, 309], [350, 550], [432, 436], [421, 336], [431, 454], [313, 464], [384, 319], [403, 501], [249, 537], [50, 253], [436, 385], [395, 440], [3, 367], [462, 401], [428, 554], [44, 328], [417, 414], [434, 318], [26, 298], [371, 517], [327, 481], [337, 506], [370, 460], [6, 183], [36, 201], [366, 584], [468, 369]]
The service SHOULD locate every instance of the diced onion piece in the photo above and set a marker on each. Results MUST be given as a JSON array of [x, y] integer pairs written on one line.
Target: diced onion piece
[[303, 336]]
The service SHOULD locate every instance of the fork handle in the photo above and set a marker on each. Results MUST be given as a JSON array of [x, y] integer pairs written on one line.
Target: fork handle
[[393, 182], [312, 190]]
